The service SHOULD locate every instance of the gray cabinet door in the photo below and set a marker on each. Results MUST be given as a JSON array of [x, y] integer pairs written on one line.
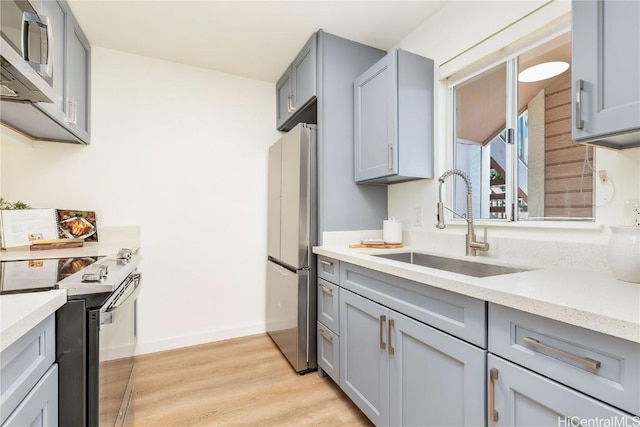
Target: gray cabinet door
[[70, 78], [518, 397], [303, 72], [297, 86], [328, 353], [606, 59], [78, 63], [40, 407], [283, 99], [393, 115], [436, 379], [364, 368], [375, 117]]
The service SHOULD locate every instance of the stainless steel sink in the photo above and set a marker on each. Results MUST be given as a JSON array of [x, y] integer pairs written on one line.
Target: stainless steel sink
[[469, 268]]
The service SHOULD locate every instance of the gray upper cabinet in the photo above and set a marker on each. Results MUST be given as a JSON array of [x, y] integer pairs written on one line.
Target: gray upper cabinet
[[325, 96], [296, 89], [78, 68], [70, 79], [393, 120], [605, 70]]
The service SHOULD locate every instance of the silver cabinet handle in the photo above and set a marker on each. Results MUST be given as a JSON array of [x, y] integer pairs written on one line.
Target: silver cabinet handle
[[390, 159], [579, 87], [326, 290], [69, 116], [391, 325], [290, 107], [72, 112], [324, 262], [325, 335], [584, 361], [383, 319], [493, 376]]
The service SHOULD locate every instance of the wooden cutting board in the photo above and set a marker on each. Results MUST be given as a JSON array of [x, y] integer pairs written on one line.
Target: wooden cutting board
[[378, 245], [38, 245]]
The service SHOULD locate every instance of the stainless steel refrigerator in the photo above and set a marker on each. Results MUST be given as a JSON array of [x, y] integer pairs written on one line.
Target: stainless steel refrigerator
[[292, 231]]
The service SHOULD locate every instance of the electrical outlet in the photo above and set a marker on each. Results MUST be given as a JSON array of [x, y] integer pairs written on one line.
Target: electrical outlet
[[417, 217], [632, 212]]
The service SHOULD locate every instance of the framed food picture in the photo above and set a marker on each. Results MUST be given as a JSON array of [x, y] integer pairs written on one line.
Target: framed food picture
[[77, 225]]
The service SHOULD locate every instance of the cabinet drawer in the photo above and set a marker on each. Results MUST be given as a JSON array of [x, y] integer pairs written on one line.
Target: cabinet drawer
[[458, 315], [40, 406], [329, 352], [328, 309], [329, 269], [524, 398], [599, 365], [24, 362]]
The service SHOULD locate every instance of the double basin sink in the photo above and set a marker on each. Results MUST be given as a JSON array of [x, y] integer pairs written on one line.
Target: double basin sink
[[469, 268]]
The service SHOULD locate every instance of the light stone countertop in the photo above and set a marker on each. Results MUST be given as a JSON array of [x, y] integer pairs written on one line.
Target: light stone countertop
[[592, 300], [112, 239], [21, 312]]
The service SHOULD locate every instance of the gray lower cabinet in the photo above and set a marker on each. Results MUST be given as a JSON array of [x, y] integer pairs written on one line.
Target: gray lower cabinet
[[328, 353], [29, 385], [40, 407], [328, 318], [393, 120], [605, 69], [519, 397], [402, 372], [597, 365]]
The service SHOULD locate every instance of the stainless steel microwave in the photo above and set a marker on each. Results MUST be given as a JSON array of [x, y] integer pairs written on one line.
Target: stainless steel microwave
[[26, 51]]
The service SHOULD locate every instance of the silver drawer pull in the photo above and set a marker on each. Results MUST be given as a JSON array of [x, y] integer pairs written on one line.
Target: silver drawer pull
[[585, 361], [493, 414], [326, 290], [326, 336], [329, 263]]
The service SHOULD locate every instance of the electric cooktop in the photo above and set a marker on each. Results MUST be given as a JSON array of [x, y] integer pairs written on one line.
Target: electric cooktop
[[38, 275]]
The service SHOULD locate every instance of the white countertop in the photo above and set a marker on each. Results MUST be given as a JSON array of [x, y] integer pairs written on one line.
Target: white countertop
[[19, 313], [591, 300], [90, 249]]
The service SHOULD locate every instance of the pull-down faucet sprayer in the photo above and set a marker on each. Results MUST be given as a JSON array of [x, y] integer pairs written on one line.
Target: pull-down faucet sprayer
[[472, 246]]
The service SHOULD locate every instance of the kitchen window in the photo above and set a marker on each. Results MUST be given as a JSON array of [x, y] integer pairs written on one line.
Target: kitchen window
[[512, 136]]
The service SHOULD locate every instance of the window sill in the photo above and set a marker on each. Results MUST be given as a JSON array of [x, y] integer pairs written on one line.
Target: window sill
[[558, 225]]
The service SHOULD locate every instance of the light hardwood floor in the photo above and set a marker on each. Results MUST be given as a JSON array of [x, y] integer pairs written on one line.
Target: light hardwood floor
[[239, 382]]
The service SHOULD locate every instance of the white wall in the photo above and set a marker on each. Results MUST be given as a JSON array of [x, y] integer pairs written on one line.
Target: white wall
[[464, 31], [181, 152]]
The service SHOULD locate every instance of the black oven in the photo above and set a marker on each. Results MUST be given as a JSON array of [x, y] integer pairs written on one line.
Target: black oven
[[96, 335]]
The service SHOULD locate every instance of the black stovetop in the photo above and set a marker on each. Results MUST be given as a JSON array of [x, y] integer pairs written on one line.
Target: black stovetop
[[38, 275]]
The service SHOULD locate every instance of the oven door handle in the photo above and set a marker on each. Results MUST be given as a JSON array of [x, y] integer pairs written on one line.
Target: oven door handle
[[106, 317]]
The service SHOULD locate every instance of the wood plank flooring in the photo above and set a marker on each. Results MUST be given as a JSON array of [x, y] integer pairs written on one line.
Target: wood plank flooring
[[239, 382]]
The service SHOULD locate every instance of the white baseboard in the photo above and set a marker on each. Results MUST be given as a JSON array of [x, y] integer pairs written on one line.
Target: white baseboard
[[144, 347]]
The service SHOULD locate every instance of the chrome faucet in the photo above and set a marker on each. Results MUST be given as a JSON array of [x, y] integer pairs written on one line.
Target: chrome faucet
[[473, 246]]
